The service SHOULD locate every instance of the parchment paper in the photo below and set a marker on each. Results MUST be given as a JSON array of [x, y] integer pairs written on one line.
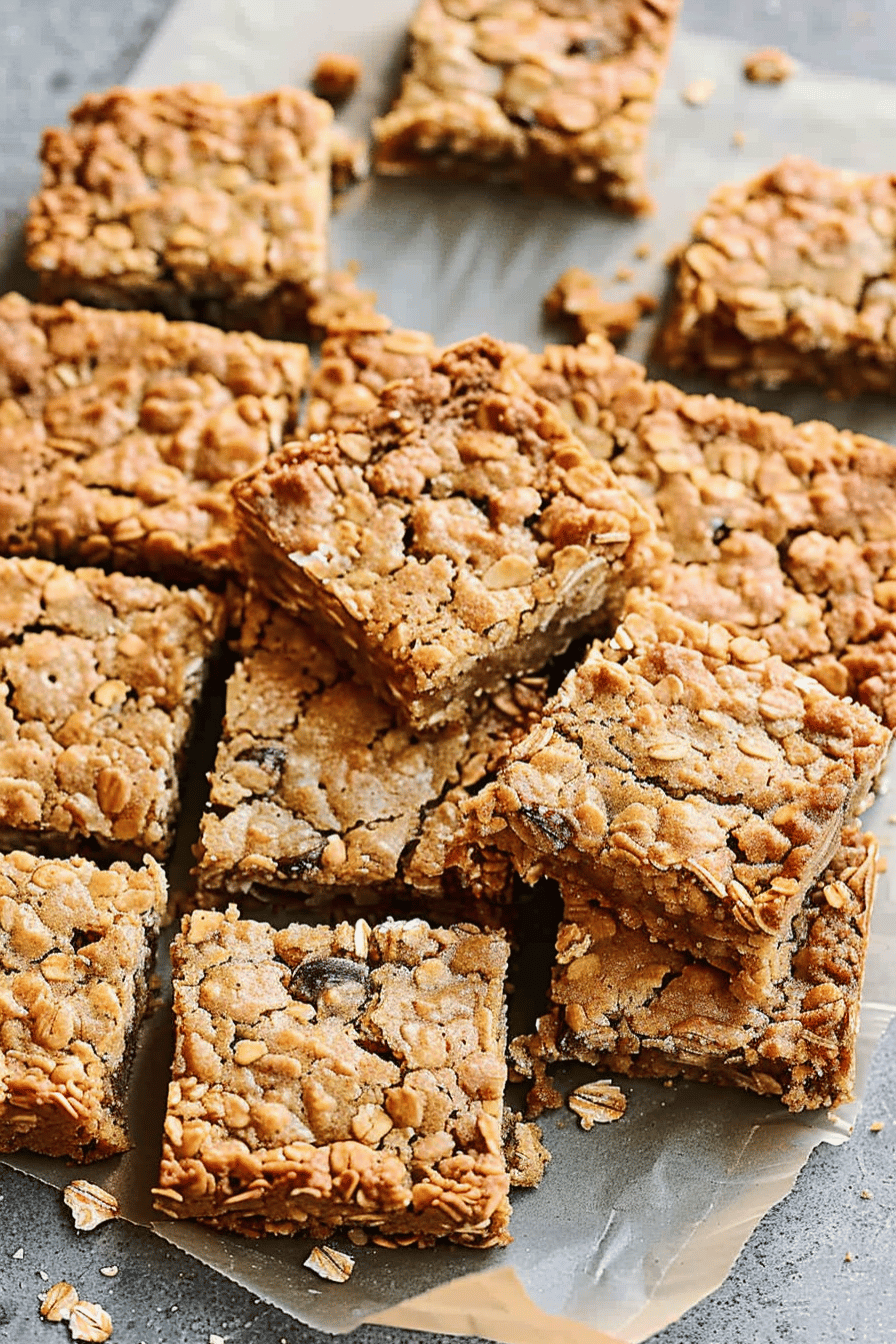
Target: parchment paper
[[637, 1220]]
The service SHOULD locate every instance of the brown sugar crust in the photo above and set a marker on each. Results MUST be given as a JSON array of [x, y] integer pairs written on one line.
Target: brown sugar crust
[[789, 278], [456, 535], [631, 1005], [99, 679], [189, 201], [348, 1077], [318, 788], [120, 434], [76, 946], [557, 96], [691, 781]]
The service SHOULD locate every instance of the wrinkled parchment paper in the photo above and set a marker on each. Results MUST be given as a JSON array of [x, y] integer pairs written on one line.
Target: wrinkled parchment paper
[[637, 1220]]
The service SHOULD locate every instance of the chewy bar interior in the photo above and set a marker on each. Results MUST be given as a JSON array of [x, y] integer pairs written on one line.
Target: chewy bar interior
[[348, 1078], [120, 434], [789, 278], [780, 530], [456, 535], [629, 1004], [319, 788], [558, 97], [690, 781], [100, 675], [186, 200], [76, 949]]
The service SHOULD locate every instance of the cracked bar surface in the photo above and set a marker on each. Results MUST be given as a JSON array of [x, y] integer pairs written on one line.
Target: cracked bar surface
[[456, 535], [692, 782], [76, 950], [790, 278], [338, 1078], [631, 1005], [318, 788], [99, 679], [556, 96], [189, 201], [120, 434]]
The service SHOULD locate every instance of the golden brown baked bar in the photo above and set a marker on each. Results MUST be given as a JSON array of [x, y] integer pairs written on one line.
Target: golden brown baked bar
[[76, 949], [555, 95], [690, 781], [629, 1004], [790, 278], [120, 435], [189, 201], [338, 1078]]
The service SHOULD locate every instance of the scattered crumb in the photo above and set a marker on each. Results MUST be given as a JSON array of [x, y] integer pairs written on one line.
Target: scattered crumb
[[19, 1254], [357, 1236], [89, 1321], [329, 1264], [769, 66], [738, 139], [336, 76], [876, 1127], [848, 1257], [577, 296], [58, 1301], [44, 1275], [89, 1204], [524, 1150], [624, 273], [349, 160], [109, 1271], [699, 91], [643, 251], [866, 1194], [597, 1103], [216, 1339], [667, 1082]]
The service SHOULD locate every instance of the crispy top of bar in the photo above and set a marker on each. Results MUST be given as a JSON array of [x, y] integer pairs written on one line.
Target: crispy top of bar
[[681, 747], [382, 1047], [179, 182], [316, 780]]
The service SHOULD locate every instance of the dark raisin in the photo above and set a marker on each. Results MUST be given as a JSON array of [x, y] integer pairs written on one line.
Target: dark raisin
[[297, 865], [268, 755], [315, 975], [552, 825]]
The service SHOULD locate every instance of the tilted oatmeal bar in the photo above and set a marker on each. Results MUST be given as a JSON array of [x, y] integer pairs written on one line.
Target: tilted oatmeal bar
[[338, 1078], [456, 535], [319, 789], [189, 201], [629, 1004], [100, 675], [120, 434], [76, 949], [791, 277], [692, 782], [553, 95]]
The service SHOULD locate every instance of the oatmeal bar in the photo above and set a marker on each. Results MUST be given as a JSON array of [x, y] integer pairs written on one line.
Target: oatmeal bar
[[554, 96], [631, 1005], [100, 676], [692, 782], [338, 1078], [354, 367], [318, 789], [455, 536], [120, 435], [790, 278], [188, 201], [76, 949]]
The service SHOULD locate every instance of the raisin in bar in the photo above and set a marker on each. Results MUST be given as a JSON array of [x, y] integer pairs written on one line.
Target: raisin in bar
[[455, 536], [319, 789], [789, 278], [557, 97], [76, 950], [631, 1005], [692, 782], [100, 675], [120, 435], [189, 201], [338, 1078]]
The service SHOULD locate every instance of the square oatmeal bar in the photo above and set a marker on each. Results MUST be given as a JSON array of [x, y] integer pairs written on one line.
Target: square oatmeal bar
[[347, 1078], [456, 535], [690, 781], [120, 435], [553, 95], [100, 675], [189, 201], [76, 949]]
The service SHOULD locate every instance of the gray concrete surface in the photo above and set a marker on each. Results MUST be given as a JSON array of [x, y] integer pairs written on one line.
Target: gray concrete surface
[[821, 1267]]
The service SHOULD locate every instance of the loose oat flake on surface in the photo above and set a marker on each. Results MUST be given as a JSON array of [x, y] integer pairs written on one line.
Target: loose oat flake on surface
[[330, 1264], [89, 1321], [597, 1103], [89, 1204], [58, 1301]]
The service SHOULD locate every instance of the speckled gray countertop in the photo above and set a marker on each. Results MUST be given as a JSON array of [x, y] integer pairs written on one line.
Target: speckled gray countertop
[[821, 1266]]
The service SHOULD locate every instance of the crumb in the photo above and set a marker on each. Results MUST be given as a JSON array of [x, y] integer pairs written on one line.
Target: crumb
[[642, 251], [216, 1339], [876, 1127], [738, 139], [768, 66], [848, 1257], [866, 1194], [699, 91], [329, 1264], [336, 76], [577, 296], [109, 1271], [624, 273], [19, 1254]]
